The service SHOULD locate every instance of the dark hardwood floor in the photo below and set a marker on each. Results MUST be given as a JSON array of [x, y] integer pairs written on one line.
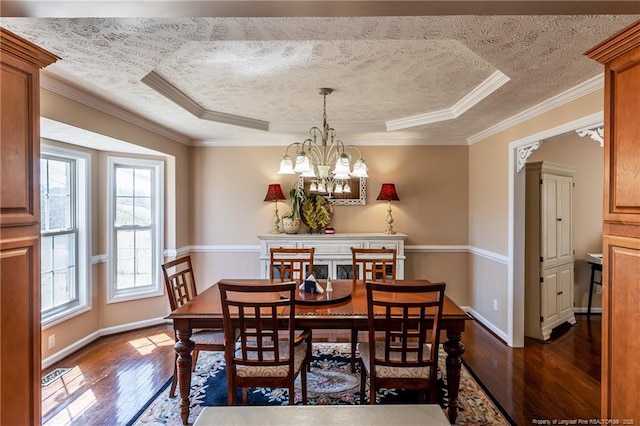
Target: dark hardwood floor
[[111, 379], [555, 380]]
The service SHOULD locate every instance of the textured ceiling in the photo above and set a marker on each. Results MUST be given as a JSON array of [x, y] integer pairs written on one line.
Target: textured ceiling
[[436, 79]]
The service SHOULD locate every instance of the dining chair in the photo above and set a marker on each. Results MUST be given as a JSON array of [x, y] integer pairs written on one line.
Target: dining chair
[[180, 283], [404, 338], [372, 264], [267, 353], [291, 264]]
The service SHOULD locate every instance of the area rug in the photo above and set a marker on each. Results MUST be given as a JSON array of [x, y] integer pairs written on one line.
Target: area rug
[[330, 381]]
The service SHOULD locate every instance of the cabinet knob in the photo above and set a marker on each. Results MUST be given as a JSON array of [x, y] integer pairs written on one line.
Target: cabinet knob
[[559, 219], [559, 293]]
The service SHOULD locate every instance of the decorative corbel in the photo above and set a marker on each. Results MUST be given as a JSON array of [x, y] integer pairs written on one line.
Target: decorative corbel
[[595, 133], [524, 152]]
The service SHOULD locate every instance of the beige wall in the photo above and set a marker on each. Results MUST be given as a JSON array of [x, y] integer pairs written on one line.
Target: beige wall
[[431, 181], [587, 157]]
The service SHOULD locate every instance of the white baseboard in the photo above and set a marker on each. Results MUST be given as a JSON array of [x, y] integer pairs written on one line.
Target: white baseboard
[[584, 310], [49, 361], [488, 324]]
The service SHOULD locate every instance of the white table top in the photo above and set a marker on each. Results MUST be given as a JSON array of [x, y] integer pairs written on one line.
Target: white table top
[[324, 415], [594, 258]]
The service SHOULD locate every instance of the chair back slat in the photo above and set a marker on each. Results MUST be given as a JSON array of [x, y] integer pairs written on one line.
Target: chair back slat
[[373, 264], [405, 317], [179, 281], [291, 264]]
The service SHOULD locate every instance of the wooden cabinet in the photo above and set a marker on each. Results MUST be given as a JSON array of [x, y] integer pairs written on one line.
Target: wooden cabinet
[[332, 256], [621, 228], [549, 263], [20, 352]]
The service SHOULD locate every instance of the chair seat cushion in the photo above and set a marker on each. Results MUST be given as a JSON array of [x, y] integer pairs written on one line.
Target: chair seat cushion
[[384, 371], [208, 337], [300, 352]]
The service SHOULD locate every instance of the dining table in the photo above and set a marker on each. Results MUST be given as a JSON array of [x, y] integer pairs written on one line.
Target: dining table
[[343, 308]]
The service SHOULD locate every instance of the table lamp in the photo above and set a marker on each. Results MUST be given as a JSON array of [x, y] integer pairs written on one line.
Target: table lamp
[[388, 193], [274, 193]]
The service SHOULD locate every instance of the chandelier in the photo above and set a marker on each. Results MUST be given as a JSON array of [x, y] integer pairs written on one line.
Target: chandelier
[[324, 159]]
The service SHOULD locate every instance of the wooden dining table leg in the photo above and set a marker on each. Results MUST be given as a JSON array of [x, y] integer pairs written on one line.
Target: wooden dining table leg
[[183, 347], [454, 349]]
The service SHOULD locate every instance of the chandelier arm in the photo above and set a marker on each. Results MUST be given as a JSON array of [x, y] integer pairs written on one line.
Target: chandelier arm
[[357, 149], [297, 144], [314, 152], [333, 153]]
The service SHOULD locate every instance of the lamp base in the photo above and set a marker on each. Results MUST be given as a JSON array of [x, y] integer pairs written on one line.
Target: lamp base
[[389, 229], [276, 222]]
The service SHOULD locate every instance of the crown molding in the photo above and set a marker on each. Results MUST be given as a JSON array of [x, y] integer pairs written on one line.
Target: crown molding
[[484, 89], [558, 100], [171, 92], [354, 141], [61, 88]]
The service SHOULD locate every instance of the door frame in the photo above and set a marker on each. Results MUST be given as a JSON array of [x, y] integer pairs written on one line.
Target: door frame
[[519, 151]]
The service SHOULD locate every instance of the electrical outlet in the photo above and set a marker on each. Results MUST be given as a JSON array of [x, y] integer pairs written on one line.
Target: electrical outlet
[[495, 305], [52, 341]]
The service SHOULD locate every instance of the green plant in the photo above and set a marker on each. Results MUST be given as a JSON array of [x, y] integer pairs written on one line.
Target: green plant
[[298, 195]]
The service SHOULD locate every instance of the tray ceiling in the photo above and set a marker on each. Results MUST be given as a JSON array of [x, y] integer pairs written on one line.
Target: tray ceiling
[[254, 80]]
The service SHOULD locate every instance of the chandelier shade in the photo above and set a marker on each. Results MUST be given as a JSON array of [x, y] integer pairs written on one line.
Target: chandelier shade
[[324, 158]]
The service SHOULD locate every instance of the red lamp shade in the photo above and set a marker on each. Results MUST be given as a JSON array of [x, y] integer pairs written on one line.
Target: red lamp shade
[[388, 192], [274, 193]]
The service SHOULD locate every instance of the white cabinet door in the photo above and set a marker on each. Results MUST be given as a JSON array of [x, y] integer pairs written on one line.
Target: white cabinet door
[[548, 296], [556, 244], [565, 289]]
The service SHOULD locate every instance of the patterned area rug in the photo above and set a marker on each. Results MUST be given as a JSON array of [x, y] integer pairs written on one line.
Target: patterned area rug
[[329, 382]]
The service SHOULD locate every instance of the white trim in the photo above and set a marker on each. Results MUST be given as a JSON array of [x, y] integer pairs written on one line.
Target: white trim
[[171, 254], [351, 140], [436, 249], [84, 223], [48, 82], [79, 344], [224, 249], [560, 99], [496, 257], [484, 89], [99, 258], [488, 324], [163, 87], [583, 310]]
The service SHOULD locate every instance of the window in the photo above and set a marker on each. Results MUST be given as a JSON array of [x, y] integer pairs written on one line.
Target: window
[[136, 224], [65, 257]]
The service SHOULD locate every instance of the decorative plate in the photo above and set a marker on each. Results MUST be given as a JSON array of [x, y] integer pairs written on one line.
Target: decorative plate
[[316, 212]]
